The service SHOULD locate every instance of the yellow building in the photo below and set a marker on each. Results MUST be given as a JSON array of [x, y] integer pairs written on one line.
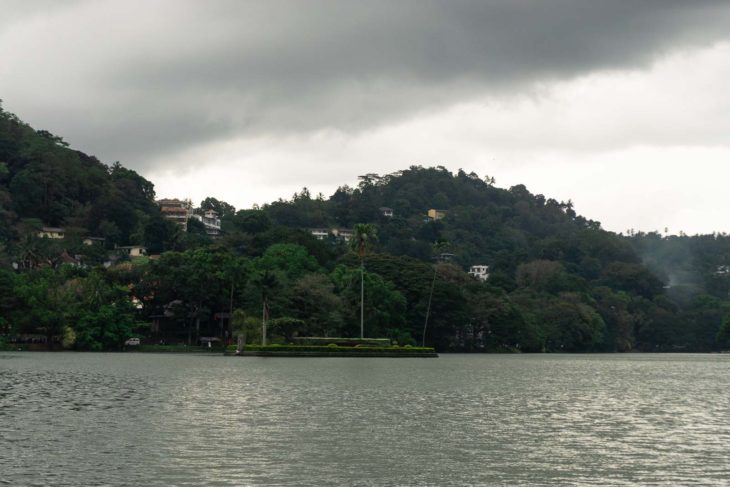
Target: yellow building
[[436, 214]]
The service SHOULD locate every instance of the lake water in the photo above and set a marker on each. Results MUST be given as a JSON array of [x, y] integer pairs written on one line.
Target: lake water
[[85, 419]]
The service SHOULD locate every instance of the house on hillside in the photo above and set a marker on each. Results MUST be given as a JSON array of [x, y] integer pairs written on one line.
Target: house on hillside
[[319, 233], [344, 234], [89, 241], [132, 250], [434, 214], [444, 257], [52, 232], [211, 222], [480, 272], [386, 212], [176, 210]]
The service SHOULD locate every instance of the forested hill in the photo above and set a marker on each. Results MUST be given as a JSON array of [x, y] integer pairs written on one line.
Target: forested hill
[[44, 182], [559, 269], [557, 281], [482, 223]]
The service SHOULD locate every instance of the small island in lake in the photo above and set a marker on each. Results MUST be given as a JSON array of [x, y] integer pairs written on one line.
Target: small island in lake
[[332, 347]]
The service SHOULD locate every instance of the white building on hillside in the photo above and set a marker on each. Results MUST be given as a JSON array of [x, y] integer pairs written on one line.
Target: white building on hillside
[[344, 234], [132, 250], [480, 272], [211, 222], [319, 233]]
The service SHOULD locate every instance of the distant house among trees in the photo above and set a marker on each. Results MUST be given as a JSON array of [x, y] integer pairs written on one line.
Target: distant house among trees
[[480, 272], [434, 214], [386, 212], [210, 220], [52, 232], [133, 250], [89, 241], [319, 233], [176, 210], [344, 234], [722, 270], [444, 257]]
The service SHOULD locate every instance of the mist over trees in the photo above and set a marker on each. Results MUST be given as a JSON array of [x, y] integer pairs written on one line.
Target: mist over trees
[[557, 280]]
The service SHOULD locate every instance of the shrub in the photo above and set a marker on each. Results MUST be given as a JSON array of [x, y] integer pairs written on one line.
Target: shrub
[[363, 350]]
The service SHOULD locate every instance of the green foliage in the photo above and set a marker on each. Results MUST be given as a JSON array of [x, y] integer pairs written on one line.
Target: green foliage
[[251, 221], [290, 260], [384, 306], [723, 335], [42, 177], [316, 303], [161, 234], [180, 348], [69, 337], [332, 348], [223, 209], [286, 326], [363, 238], [105, 328]]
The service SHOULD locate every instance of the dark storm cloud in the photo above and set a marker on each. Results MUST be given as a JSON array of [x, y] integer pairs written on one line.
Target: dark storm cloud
[[179, 74]]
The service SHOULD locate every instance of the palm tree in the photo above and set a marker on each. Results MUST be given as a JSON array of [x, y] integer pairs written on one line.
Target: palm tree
[[364, 235]]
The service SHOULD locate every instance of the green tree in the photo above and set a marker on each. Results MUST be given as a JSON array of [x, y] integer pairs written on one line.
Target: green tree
[[160, 234], [105, 328], [384, 306], [44, 303], [316, 303], [286, 326], [223, 209], [251, 221], [723, 335], [292, 260]]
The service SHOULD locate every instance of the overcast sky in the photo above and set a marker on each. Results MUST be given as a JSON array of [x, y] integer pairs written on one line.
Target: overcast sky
[[621, 106]]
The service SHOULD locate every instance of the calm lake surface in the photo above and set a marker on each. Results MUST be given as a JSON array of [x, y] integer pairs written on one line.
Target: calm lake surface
[[83, 419]]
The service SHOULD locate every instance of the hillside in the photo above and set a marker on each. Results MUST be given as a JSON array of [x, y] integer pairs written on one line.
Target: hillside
[[556, 280], [42, 178]]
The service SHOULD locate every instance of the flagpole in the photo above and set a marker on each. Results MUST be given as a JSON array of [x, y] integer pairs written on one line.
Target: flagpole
[[263, 325]]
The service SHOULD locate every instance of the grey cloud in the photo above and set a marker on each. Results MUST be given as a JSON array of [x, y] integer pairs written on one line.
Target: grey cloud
[[223, 69]]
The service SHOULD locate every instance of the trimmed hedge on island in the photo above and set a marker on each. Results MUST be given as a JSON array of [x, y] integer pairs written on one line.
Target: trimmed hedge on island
[[333, 350]]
